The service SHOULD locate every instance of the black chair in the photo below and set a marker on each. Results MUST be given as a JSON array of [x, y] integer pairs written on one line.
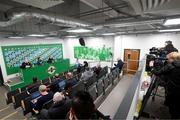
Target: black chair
[[106, 69], [34, 89], [110, 76], [103, 72], [105, 83], [78, 87], [75, 72], [48, 104], [90, 81], [100, 74], [18, 97], [100, 87], [93, 92], [117, 72], [45, 81], [76, 77], [26, 106], [24, 88], [94, 78], [114, 73], [10, 96]]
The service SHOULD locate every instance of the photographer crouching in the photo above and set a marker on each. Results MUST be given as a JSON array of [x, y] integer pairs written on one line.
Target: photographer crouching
[[172, 73]]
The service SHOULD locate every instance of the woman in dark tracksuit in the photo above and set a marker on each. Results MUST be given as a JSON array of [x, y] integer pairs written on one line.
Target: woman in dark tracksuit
[[172, 72]]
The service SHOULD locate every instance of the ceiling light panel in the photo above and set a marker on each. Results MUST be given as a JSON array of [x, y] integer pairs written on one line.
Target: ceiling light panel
[[79, 30], [43, 4], [175, 21], [169, 30]]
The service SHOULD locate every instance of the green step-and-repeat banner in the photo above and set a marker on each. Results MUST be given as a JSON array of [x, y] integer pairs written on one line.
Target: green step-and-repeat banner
[[89, 53], [14, 56]]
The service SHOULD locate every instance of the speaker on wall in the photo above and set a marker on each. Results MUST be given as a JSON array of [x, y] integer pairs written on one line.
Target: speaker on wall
[[81, 42]]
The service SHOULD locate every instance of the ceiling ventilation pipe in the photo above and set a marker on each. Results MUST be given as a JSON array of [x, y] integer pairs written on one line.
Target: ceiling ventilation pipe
[[55, 19]]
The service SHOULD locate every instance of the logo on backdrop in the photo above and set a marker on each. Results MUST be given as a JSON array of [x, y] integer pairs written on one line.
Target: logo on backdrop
[[51, 69]]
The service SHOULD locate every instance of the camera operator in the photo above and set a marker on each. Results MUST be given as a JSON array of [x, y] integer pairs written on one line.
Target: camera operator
[[169, 47], [172, 73]]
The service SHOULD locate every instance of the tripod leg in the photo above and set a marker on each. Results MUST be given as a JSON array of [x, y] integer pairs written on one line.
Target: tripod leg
[[155, 91]]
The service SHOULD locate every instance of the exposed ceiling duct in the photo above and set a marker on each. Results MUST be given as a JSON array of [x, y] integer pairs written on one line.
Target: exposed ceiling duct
[[130, 23], [53, 18]]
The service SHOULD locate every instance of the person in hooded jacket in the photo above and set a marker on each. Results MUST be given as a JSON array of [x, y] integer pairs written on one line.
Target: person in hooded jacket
[[169, 47], [172, 72]]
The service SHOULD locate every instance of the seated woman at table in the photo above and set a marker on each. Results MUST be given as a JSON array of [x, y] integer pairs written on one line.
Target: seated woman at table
[[45, 97]]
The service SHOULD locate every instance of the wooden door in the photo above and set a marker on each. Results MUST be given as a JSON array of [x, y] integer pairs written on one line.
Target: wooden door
[[131, 59]]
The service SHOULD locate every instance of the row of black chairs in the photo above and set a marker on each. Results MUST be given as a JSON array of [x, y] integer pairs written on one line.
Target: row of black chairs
[[21, 98], [103, 84], [85, 85], [20, 94], [81, 85], [97, 87]]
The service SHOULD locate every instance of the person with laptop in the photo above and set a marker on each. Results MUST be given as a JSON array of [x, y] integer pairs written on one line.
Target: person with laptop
[[45, 97]]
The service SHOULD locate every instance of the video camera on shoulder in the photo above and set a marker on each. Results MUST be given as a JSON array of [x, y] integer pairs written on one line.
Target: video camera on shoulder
[[158, 56], [159, 53]]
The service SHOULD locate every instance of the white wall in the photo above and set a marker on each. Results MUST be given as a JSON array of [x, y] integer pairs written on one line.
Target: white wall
[[96, 42], [143, 42], [26, 41], [68, 46], [118, 43]]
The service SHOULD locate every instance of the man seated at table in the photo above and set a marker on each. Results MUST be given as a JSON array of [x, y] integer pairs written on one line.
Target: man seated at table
[[45, 97], [39, 61], [26, 64], [50, 60]]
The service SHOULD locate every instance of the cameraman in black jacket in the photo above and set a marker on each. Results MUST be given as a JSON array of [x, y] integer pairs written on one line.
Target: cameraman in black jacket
[[172, 71], [169, 47]]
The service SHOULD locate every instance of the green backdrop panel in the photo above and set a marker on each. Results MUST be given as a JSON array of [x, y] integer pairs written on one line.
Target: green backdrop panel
[[102, 54], [15, 55], [41, 72]]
